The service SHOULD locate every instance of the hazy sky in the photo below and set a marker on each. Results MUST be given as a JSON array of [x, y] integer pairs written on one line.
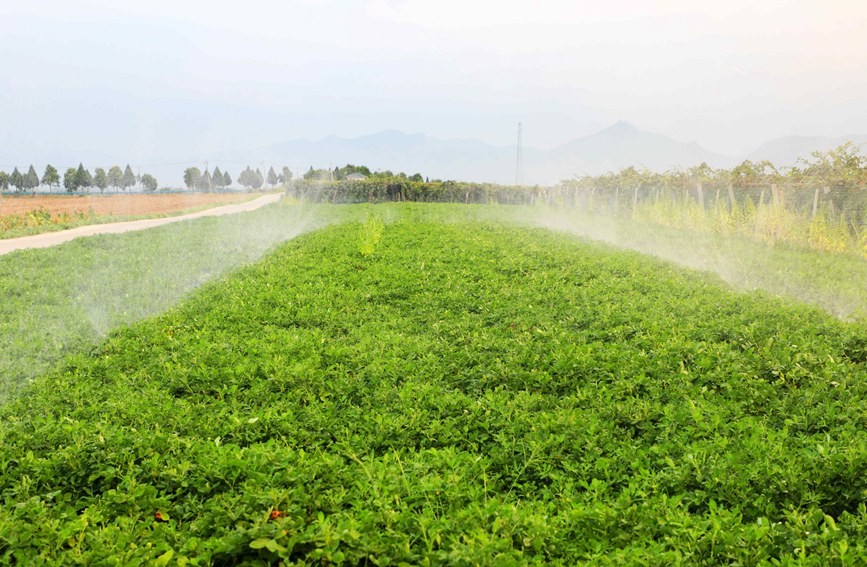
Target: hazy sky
[[159, 79]]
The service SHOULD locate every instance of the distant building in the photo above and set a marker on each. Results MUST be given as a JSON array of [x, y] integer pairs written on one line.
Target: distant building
[[355, 177]]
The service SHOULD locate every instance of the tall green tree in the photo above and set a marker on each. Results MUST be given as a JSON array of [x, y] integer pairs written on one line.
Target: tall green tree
[[205, 181], [31, 180], [217, 178], [318, 174], [286, 175], [246, 178], [149, 182], [272, 177], [83, 179], [100, 179], [70, 180], [4, 181], [50, 177], [191, 177], [227, 179], [258, 179], [16, 180], [128, 178], [115, 177], [348, 169]]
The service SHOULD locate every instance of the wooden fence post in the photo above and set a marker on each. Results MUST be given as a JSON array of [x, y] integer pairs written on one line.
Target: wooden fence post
[[815, 202]]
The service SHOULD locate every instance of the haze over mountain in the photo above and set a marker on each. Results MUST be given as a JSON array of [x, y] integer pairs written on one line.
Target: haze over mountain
[[785, 152], [612, 148], [163, 85]]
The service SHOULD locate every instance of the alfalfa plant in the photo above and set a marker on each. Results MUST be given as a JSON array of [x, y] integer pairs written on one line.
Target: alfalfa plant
[[371, 234]]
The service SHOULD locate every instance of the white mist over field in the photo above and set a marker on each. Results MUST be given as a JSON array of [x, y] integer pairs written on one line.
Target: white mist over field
[[93, 285], [744, 264]]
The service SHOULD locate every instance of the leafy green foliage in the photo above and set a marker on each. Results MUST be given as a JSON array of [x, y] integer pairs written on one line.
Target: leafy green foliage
[[128, 177], [100, 179], [16, 180], [192, 177], [470, 393], [316, 187], [371, 234], [149, 182], [63, 299], [70, 180], [83, 179], [252, 179], [115, 177], [31, 179]]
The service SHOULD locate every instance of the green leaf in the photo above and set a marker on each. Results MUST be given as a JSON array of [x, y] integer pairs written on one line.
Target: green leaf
[[164, 559]]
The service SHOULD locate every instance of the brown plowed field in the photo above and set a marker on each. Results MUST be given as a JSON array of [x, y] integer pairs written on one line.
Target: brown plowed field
[[119, 205]]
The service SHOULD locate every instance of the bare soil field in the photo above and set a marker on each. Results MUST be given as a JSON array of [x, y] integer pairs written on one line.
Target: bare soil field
[[118, 205]]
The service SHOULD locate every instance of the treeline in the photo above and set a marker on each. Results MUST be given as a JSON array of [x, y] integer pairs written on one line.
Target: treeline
[[820, 203], [396, 188], [350, 171], [76, 179], [251, 179], [834, 181]]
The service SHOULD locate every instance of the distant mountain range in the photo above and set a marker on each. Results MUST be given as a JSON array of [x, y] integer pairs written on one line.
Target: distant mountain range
[[611, 149], [786, 151]]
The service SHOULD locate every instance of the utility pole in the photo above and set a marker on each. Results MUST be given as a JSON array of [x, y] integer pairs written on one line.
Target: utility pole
[[519, 161]]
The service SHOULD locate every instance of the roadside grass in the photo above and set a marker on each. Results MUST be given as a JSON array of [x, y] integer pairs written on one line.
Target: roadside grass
[[410, 385]]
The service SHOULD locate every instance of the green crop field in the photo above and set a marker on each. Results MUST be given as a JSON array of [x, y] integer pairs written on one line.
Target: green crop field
[[425, 384]]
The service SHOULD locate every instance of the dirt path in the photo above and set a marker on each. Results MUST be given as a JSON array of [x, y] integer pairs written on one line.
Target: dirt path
[[54, 238]]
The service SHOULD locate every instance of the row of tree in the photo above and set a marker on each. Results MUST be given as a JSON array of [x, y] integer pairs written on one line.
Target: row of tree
[[844, 166], [75, 179], [836, 179], [341, 173], [195, 179]]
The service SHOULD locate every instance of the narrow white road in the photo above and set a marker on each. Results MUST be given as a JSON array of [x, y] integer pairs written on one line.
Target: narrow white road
[[54, 238]]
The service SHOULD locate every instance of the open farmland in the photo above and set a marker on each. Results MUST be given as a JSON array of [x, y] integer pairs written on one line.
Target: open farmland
[[118, 205], [406, 388], [32, 214]]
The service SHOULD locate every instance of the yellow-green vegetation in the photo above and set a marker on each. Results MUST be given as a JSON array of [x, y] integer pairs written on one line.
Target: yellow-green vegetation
[[820, 204], [371, 234], [40, 220], [468, 392], [768, 222]]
